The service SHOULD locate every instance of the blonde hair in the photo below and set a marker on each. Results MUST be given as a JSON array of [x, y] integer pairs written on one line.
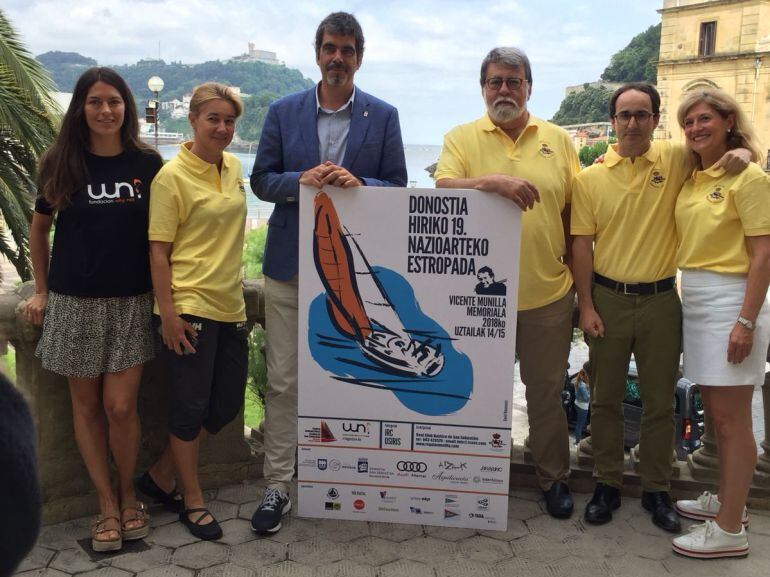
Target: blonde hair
[[214, 91], [741, 135]]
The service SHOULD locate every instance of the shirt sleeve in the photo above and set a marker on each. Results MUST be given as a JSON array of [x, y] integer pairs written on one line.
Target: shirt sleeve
[[42, 206], [752, 201], [582, 220], [452, 162], [165, 211], [573, 167]]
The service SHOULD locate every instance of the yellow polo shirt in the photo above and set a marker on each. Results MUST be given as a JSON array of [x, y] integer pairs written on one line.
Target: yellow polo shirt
[[628, 207], [543, 154], [715, 212], [203, 213]]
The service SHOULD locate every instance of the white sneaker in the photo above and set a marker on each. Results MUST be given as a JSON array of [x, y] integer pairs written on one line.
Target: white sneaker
[[705, 507], [710, 541]]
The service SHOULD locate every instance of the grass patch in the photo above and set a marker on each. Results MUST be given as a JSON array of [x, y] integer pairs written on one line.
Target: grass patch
[[253, 411]]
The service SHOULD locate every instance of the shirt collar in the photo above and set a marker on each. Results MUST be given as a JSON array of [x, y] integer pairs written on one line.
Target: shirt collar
[[488, 126], [611, 157], [196, 163], [319, 108]]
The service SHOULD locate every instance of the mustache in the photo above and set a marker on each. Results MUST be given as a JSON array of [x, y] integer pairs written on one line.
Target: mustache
[[336, 66], [505, 100]]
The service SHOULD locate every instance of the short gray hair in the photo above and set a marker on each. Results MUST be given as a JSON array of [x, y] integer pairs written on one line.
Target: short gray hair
[[507, 56]]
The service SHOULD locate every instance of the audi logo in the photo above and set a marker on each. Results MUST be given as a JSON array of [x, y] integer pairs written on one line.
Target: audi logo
[[411, 466]]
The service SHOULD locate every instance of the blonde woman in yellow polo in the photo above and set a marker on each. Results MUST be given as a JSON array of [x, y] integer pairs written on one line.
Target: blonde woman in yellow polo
[[197, 218], [723, 224]]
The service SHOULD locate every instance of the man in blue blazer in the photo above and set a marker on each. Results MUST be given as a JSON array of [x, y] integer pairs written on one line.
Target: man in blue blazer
[[332, 134]]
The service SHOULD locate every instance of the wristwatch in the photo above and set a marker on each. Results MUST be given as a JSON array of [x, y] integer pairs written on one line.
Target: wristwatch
[[746, 323]]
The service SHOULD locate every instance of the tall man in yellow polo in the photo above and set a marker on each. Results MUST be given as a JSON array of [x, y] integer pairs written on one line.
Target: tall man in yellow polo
[[532, 162], [624, 248]]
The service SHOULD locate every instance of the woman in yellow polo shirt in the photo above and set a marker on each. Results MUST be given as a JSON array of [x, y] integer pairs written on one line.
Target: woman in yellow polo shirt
[[723, 223], [197, 219]]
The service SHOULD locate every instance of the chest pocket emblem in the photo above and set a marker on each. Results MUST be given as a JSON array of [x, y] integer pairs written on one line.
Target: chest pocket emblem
[[545, 150], [657, 179], [241, 187], [716, 195]]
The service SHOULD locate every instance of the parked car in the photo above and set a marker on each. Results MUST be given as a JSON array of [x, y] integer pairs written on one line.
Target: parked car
[[688, 411]]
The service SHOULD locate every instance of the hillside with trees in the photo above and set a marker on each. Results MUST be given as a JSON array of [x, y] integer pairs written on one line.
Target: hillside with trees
[[260, 83], [635, 62]]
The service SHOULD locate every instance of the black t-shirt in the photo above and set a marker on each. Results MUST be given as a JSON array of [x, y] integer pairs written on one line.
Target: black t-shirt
[[100, 247]]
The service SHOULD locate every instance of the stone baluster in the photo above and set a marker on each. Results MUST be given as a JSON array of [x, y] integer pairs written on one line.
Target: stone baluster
[[762, 473]]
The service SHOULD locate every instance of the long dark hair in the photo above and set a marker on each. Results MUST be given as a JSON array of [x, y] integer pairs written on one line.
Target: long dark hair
[[63, 167]]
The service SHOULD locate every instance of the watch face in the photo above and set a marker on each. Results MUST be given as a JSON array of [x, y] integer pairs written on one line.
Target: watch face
[[746, 323]]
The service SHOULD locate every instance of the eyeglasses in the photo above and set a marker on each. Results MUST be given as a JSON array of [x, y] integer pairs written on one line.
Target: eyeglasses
[[330, 49], [641, 116], [495, 83]]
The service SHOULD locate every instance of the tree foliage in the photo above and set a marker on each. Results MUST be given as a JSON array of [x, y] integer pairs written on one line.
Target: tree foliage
[[260, 83], [588, 154], [637, 61], [27, 127], [590, 105]]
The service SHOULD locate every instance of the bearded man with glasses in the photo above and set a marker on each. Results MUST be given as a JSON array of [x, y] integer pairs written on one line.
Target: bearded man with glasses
[[532, 162], [623, 254]]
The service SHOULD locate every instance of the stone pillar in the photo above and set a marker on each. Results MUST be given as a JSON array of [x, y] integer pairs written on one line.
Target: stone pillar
[[762, 473], [66, 489]]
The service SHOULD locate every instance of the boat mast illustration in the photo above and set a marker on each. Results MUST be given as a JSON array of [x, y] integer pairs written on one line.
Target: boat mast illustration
[[358, 304]]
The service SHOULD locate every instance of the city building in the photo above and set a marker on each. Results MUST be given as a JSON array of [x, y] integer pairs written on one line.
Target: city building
[[715, 43], [255, 55]]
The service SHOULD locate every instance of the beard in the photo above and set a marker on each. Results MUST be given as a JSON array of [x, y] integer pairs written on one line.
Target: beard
[[504, 110], [336, 74]]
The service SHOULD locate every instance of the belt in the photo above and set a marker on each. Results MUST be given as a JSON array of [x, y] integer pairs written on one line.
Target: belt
[[641, 288]]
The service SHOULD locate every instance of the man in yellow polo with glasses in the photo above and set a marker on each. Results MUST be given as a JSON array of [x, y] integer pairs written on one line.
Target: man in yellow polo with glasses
[[624, 247], [532, 162]]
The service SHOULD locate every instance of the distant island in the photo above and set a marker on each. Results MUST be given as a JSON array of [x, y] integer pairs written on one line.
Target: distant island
[[260, 84]]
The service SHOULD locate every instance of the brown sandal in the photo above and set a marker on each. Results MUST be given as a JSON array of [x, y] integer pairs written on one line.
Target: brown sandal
[[98, 527], [140, 531]]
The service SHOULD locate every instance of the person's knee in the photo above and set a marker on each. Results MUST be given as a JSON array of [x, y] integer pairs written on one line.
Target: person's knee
[[185, 421], [121, 411], [88, 407]]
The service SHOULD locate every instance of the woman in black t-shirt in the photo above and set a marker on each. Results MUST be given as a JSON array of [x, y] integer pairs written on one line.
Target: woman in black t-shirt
[[94, 300]]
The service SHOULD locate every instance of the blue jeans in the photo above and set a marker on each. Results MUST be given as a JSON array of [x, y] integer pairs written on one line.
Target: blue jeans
[[580, 423]]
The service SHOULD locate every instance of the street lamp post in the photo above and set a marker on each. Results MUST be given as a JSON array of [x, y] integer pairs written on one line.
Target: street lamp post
[[155, 84]]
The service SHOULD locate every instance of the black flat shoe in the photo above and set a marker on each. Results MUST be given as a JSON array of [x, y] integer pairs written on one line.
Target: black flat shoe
[[558, 500], [663, 513], [171, 501], [207, 532], [605, 500]]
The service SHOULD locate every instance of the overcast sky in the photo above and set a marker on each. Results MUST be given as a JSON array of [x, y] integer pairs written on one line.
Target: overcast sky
[[421, 56]]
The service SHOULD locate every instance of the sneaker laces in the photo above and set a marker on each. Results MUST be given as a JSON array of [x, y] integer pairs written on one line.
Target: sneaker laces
[[271, 500], [704, 501]]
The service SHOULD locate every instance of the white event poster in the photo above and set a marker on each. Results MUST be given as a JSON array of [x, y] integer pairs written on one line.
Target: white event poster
[[407, 319]]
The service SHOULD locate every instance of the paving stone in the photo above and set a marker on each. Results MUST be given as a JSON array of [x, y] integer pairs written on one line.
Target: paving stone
[[429, 550], [317, 551], [595, 546], [526, 493], [106, 572], [538, 548], [406, 568], [295, 529], [342, 531], [632, 566], [172, 535], [285, 569], [258, 553], [241, 493], [515, 530], [574, 567], [73, 561], [38, 558], [485, 549], [236, 531], [523, 509], [166, 571], [227, 570], [135, 562], [463, 568], [449, 533], [246, 510], [518, 566], [677, 565], [373, 551], [64, 535], [43, 572], [200, 555], [395, 531], [160, 516], [641, 522], [554, 529], [345, 568], [759, 523], [221, 510], [652, 547]]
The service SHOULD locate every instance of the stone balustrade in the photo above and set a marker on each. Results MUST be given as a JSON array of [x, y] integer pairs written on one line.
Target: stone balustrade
[[66, 489]]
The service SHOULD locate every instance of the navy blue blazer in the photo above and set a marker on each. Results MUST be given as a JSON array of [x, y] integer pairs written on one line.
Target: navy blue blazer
[[289, 145]]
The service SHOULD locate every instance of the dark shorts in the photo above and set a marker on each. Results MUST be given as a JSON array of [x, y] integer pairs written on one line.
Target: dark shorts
[[207, 387]]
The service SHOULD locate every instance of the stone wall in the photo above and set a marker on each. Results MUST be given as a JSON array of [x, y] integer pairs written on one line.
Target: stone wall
[[66, 488]]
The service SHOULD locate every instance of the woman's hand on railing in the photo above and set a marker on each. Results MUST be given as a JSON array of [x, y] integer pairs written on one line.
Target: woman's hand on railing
[[34, 308]]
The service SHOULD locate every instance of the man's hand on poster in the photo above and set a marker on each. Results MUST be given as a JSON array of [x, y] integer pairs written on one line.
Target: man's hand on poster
[[329, 173], [519, 190]]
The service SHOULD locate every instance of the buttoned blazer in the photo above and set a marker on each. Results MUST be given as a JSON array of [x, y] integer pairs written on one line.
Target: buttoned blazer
[[289, 145]]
